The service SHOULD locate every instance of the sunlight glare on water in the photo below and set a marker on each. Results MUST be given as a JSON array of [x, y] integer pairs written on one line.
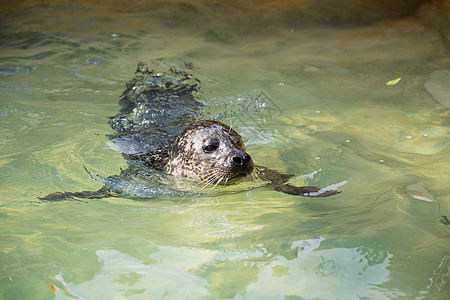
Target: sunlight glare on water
[[359, 98]]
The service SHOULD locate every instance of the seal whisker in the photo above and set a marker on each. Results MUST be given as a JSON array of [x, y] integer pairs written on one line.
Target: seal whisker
[[193, 181], [210, 181], [218, 181], [211, 175], [196, 184], [208, 178], [255, 173]]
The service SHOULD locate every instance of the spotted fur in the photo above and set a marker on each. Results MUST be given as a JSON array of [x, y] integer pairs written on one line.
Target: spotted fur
[[190, 157]]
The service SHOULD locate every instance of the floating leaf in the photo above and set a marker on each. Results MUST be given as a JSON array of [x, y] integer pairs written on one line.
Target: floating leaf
[[10, 278], [394, 81], [53, 288]]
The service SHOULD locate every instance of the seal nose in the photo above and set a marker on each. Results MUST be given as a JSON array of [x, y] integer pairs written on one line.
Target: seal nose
[[243, 159]]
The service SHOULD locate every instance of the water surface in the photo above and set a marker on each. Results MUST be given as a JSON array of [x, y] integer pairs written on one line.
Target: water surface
[[329, 69]]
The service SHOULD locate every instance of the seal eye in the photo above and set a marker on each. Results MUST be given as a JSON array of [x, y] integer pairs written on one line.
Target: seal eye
[[210, 148]]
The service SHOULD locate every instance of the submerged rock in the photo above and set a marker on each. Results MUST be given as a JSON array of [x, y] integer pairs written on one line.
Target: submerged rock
[[420, 204], [418, 191], [438, 85]]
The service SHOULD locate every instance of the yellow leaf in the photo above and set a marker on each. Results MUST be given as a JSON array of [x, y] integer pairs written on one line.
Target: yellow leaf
[[394, 81]]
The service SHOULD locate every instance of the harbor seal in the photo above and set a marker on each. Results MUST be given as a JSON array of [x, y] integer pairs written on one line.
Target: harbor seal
[[160, 129]]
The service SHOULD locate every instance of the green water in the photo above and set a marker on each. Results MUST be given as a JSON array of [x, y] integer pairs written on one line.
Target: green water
[[324, 67]]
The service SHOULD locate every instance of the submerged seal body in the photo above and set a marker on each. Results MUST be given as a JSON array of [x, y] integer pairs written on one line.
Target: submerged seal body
[[160, 128]]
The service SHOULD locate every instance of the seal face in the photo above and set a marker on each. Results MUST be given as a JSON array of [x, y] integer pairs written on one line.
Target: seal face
[[211, 152]]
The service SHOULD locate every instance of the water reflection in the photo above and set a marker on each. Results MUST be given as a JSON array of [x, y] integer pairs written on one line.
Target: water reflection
[[149, 270]]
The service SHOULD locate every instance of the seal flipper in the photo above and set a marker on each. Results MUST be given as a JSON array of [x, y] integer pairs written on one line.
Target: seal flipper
[[306, 191], [278, 182], [59, 196]]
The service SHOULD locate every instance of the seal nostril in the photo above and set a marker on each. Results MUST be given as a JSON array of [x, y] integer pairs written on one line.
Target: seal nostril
[[247, 159], [237, 160]]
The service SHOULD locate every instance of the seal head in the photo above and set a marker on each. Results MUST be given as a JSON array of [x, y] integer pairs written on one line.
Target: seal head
[[211, 152]]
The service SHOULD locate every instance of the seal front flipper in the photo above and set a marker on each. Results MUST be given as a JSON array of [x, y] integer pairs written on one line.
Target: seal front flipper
[[104, 192], [59, 196], [306, 191], [278, 181]]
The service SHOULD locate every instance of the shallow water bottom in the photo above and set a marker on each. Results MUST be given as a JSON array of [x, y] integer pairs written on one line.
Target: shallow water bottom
[[360, 100]]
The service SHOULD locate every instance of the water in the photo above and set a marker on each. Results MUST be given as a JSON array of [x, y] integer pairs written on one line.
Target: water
[[325, 68]]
